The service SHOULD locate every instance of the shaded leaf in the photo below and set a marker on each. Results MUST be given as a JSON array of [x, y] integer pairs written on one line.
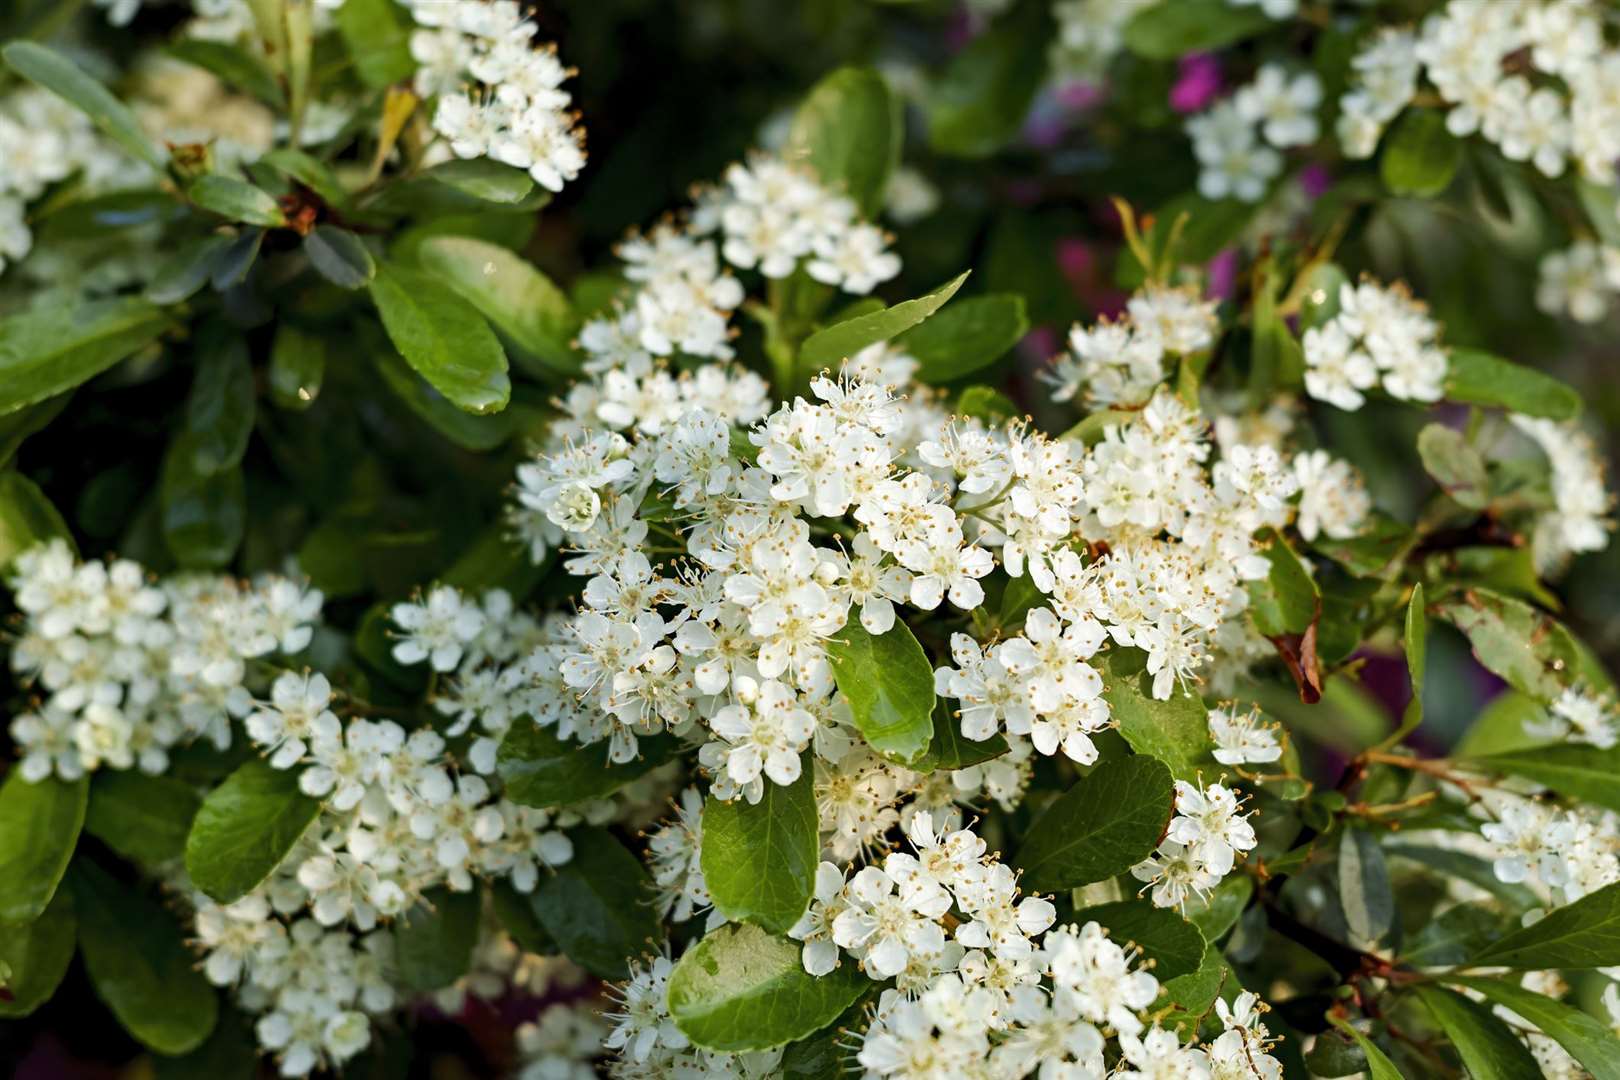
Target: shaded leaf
[[889, 685], [539, 769], [1585, 934], [1109, 821], [39, 826], [829, 346], [340, 257], [1173, 944], [244, 828], [37, 955], [51, 349], [433, 941], [849, 130], [531, 313], [597, 907], [27, 517], [966, 336], [1478, 378], [1587, 1040], [1420, 157], [145, 818], [62, 77]]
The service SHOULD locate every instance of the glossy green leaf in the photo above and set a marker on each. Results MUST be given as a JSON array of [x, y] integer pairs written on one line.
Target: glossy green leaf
[[310, 171], [433, 941], [182, 274], [443, 337], [1364, 889], [1173, 944], [1187, 999], [236, 200], [830, 346], [1478, 378], [466, 430], [741, 988], [39, 826], [1585, 934], [979, 102], [204, 514], [889, 685], [139, 964], [1415, 638], [36, 954], [950, 749], [1109, 821], [1584, 773], [27, 517], [1285, 600], [759, 859], [516, 912], [297, 367], [62, 77], [1420, 157], [244, 828], [539, 769], [1455, 465], [1454, 935], [1488, 1047], [1173, 28], [598, 906], [484, 180], [1176, 731], [1588, 1041], [235, 260], [145, 818], [1217, 912], [51, 349], [340, 257], [219, 410], [966, 336], [849, 130], [529, 312], [982, 403], [377, 34], [1379, 1067], [232, 66]]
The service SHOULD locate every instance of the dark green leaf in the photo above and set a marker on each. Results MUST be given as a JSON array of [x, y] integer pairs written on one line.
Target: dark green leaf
[[230, 1052], [51, 349], [1364, 891], [741, 989], [26, 517], [966, 336], [232, 66], [1379, 1067], [145, 818], [311, 172], [950, 749], [1173, 944], [297, 367], [1488, 1047], [1454, 935], [39, 826], [1109, 821], [1469, 868], [1187, 999], [1585, 934], [378, 36], [443, 338], [139, 964], [1216, 913], [979, 102], [484, 180], [1478, 378], [516, 912], [597, 907], [464, 429], [340, 257], [889, 685], [524, 306], [759, 859], [1285, 600], [1455, 465], [231, 266], [1588, 1041], [830, 346], [849, 130], [236, 200], [433, 942], [244, 828], [187, 270], [1420, 156], [1381, 539], [219, 411], [542, 770], [1173, 28], [1175, 731], [63, 78], [204, 515], [37, 954]]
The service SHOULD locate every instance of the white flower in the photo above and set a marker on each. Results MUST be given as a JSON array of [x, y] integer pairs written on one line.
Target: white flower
[[1333, 501], [1242, 738], [1284, 107], [882, 929], [436, 629], [815, 926], [765, 731], [642, 1022], [296, 716]]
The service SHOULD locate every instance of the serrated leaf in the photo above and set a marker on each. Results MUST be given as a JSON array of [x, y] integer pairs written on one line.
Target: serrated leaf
[[849, 130], [531, 313], [741, 988], [1585, 934], [51, 349], [1488, 1047], [1587, 1040], [1173, 944], [236, 200], [1364, 890], [340, 257], [39, 826], [443, 337], [598, 906], [433, 941], [966, 336], [37, 954], [759, 859], [1420, 157], [1173, 28], [1478, 378], [829, 346], [889, 685], [139, 964], [145, 818], [539, 769], [1109, 821], [1455, 465], [244, 828], [63, 78], [27, 517], [1176, 731]]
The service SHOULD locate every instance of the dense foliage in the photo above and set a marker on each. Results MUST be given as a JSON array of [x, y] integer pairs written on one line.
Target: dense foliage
[[1074, 548]]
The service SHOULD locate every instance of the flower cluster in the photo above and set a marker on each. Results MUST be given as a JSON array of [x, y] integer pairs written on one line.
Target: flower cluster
[[1580, 280], [517, 111], [1090, 33], [44, 140], [1578, 520], [1237, 141], [1206, 835], [1568, 852], [1122, 362], [1242, 738], [1578, 716], [1379, 336]]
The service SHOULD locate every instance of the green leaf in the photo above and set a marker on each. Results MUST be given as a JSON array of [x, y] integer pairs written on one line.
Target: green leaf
[[51, 349], [597, 907], [1416, 640], [1381, 539], [244, 828], [1488, 1047], [231, 66], [340, 257], [516, 912], [297, 367], [1187, 999], [204, 514], [979, 102], [27, 517], [187, 270], [37, 954], [1320, 302], [311, 172], [539, 769], [1175, 731], [1364, 891], [986, 404], [1173, 28], [1212, 225], [433, 942], [1455, 465], [236, 200], [828, 347], [1220, 910], [1379, 1067], [484, 180], [849, 130], [234, 261], [1585, 934], [1478, 378], [966, 336], [63, 78], [1469, 868], [1587, 1040], [219, 410], [145, 818], [527, 310], [1454, 935], [462, 428], [889, 685], [139, 964], [1285, 600], [39, 826], [759, 859], [1173, 944], [1584, 773], [1530, 651], [950, 749], [1109, 821], [741, 988], [443, 337], [229, 1052], [1420, 156], [378, 36]]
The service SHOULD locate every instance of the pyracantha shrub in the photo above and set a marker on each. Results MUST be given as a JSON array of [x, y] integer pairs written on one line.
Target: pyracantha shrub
[[756, 659]]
